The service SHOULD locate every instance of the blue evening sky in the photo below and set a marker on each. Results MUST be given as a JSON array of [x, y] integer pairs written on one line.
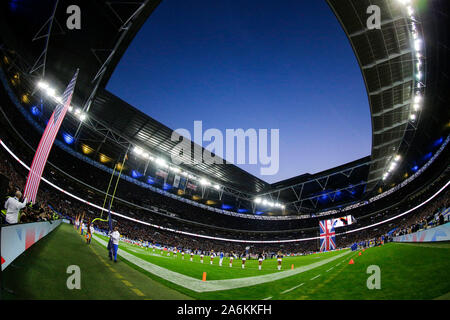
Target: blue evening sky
[[283, 65]]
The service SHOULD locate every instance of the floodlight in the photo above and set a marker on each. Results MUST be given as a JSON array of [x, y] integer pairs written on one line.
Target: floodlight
[[161, 162], [42, 85], [137, 150], [50, 92], [417, 44], [410, 10]]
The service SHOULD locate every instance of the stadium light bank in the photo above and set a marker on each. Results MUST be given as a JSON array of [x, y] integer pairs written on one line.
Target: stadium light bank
[[164, 164], [269, 203], [416, 101]]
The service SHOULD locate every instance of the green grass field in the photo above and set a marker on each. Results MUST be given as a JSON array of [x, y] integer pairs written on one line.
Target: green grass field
[[40, 272], [195, 269], [408, 271]]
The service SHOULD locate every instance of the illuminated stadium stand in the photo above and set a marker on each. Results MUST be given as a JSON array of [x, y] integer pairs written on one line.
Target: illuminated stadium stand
[[383, 114], [430, 161], [219, 238], [232, 240]]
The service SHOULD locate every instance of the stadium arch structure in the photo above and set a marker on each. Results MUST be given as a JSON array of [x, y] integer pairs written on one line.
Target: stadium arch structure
[[403, 65]]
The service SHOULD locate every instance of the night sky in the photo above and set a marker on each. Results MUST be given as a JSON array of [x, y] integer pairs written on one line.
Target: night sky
[[284, 65]]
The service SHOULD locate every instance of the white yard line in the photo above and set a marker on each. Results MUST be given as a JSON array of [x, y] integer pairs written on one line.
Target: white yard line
[[198, 285], [268, 298], [330, 269], [293, 288], [315, 277]]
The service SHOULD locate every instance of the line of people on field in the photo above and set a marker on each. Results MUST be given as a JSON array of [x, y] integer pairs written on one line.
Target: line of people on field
[[243, 256]]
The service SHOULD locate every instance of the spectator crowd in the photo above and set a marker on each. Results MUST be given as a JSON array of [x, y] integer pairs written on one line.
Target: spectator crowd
[[52, 202]]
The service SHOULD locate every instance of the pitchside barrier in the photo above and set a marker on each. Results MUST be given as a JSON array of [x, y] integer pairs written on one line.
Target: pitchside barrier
[[439, 233], [17, 238]]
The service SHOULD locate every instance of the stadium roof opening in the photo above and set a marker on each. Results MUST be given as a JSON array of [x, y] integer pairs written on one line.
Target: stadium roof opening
[[233, 67]]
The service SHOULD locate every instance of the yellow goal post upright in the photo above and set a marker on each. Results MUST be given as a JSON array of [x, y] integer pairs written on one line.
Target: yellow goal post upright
[[120, 166]]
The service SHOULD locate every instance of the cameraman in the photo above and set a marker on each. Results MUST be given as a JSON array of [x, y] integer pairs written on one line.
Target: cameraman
[[13, 206]]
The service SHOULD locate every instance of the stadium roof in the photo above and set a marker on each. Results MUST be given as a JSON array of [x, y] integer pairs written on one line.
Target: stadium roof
[[106, 31], [385, 57]]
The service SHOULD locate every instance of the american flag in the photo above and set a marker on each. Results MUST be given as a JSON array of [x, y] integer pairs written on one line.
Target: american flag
[[46, 143], [327, 236]]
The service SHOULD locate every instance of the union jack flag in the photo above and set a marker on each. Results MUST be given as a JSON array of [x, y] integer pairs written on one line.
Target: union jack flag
[[327, 236], [46, 143]]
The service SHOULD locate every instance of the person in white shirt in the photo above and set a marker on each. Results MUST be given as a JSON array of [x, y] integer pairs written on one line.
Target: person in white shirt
[[13, 206], [115, 235], [90, 231]]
